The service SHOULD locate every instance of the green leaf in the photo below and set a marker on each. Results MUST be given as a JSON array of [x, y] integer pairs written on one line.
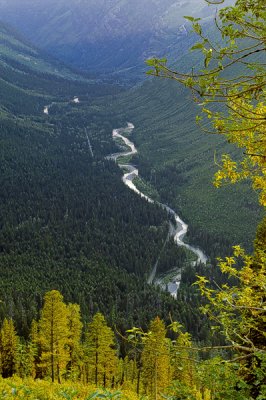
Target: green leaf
[[197, 46], [150, 62], [208, 58], [150, 72], [197, 28], [192, 19], [161, 60], [189, 18]]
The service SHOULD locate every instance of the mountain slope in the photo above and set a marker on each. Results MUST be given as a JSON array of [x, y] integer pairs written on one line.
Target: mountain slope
[[66, 219], [179, 160], [104, 36], [29, 79]]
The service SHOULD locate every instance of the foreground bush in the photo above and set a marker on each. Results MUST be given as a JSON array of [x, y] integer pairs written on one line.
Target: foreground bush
[[30, 389]]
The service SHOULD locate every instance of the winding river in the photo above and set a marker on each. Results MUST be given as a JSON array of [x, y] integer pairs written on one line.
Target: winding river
[[178, 232], [46, 108]]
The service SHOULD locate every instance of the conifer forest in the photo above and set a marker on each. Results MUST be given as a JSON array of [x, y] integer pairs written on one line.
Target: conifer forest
[[132, 200]]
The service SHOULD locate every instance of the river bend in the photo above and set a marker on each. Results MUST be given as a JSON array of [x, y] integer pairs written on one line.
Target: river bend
[[128, 178]]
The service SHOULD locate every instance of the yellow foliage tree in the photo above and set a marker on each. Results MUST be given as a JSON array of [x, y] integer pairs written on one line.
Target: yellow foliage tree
[[100, 352], [182, 360], [9, 343], [54, 335], [75, 349], [156, 370]]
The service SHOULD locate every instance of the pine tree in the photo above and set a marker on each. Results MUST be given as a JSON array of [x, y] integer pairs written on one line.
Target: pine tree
[[9, 342], [100, 352], [156, 360], [54, 335]]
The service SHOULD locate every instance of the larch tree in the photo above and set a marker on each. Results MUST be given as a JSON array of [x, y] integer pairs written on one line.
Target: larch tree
[[25, 360], [74, 340], [182, 360], [100, 352], [128, 372], [54, 335], [9, 343], [156, 370]]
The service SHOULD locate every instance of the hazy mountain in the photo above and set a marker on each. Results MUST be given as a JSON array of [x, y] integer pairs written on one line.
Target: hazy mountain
[[105, 35]]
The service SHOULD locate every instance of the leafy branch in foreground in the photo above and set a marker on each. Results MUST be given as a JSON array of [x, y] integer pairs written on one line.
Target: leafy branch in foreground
[[231, 88], [240, 309], [234, 77]]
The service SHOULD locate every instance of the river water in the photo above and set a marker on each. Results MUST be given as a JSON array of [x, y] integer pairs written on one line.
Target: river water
[[181, 228]]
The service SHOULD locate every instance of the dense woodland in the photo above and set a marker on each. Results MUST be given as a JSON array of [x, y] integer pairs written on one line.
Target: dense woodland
[[69, 225], [162, 361], [67, 221], [62, 226]]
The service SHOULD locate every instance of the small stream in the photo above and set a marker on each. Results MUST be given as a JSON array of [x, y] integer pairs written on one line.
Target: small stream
[[181, 228]]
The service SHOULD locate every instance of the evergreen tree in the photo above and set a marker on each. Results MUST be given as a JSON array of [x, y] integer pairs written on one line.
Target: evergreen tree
[[128, 372], [25, 359], [54, 335], [75, 349], [100, 352], [9, 343], [156, 360], [183, 366]]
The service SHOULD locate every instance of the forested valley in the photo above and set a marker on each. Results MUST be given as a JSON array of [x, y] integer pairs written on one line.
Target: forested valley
[[80, 316], [67, 220]]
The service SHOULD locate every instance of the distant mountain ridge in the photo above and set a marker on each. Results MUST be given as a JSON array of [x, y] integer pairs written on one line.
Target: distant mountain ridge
[[103, 35], [31, 79]]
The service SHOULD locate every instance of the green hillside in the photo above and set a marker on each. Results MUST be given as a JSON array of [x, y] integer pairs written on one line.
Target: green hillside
[[30, 80], [66, 219], [103, 36], [179, 159], [105, 292]]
